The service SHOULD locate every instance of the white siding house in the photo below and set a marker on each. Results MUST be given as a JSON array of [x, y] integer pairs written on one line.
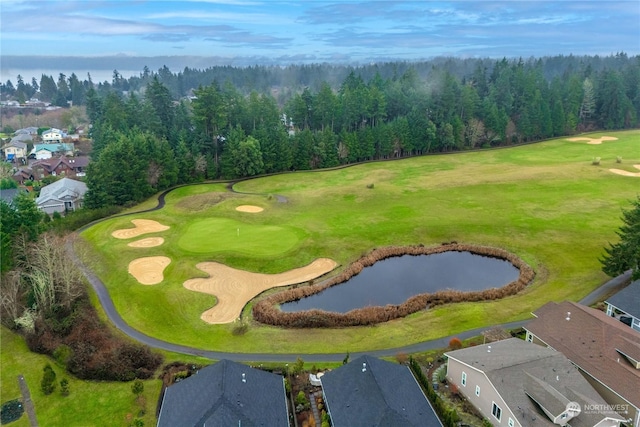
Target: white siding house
[[61, 196]]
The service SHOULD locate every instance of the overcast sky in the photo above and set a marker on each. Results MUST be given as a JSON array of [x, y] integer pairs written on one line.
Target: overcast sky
[[261, 32]]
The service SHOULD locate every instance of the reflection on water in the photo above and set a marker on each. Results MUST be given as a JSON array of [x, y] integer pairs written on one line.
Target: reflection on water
[[394, 280]]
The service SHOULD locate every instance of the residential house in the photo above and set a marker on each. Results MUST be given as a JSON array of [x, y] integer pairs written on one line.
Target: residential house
[[52, 135], [22, 175], [9, 195], [61, 166], [372, 392], [605, 350], [22, 137], [61, 196], [226, 394], [46, 151], [516, 383], [625, 305], [31, 130], [15, 150]]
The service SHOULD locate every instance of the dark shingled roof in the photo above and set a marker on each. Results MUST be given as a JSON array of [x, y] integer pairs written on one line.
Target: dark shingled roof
[[372, 392], [226, 394], [628, 299]]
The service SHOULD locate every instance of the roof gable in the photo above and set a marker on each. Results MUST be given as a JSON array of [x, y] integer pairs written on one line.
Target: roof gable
[[628, 299], [370, 391], [591, 340], [65, 189], [226, 393], [535, 382]]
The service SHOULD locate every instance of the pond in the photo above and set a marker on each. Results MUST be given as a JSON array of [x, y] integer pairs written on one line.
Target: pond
[[395, 280]]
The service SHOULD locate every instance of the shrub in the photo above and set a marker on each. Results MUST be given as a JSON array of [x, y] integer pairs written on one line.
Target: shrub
[[240, 328], [62, 354], [370, 186], [137, 387], [48, 383], [64, 387], [301, 399], [618, 159], [11, 411], [455, 343], [402, 358], [595, 161]]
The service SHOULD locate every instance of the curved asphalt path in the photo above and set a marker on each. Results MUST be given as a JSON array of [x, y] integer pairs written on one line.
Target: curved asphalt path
[[107, 304]]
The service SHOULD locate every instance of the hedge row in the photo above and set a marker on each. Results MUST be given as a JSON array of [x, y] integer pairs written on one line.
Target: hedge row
[[89, 350], [267, 311], [449, 417]]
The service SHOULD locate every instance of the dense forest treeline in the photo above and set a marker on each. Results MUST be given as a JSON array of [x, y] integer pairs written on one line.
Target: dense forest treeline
[[159, 129]]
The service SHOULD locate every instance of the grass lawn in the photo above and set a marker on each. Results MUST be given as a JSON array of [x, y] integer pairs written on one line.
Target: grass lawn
[[545, 202], [90, 403]]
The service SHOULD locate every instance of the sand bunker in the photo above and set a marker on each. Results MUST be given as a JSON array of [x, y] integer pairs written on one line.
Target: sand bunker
[[148, 270], [249, 208], [143, 226], [593, 141], [234, 288], [626, 173], [149, 242]]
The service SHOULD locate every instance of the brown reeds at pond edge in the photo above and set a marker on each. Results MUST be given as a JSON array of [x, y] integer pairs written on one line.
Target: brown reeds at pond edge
[[267, 311]]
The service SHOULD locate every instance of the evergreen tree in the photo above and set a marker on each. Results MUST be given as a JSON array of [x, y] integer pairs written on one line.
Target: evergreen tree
[[625, 255]]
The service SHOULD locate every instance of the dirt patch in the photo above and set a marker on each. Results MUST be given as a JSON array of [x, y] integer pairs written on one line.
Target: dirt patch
[[149, 242], [234, 288], [148, 270], [626, 173], [142, 226], [593, 141], [249, 209], [200, 202]]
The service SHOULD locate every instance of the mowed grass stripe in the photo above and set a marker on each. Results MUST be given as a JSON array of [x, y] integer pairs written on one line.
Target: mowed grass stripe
[[544, 202]]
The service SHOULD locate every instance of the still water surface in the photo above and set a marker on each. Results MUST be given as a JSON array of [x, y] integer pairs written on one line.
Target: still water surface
[[395, 280]]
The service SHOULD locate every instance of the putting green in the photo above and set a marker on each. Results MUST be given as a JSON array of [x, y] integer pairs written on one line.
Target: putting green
[[227, 235]]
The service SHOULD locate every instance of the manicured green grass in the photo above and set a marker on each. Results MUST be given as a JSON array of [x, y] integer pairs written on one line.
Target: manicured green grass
[[90, 403], [545, 202], [210, 235]]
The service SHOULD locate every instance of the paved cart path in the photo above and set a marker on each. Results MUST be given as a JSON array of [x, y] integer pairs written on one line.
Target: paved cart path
[[107, 304]]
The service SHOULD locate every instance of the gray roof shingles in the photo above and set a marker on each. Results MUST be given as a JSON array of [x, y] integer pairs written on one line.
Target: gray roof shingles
[[521, 371], [218, 396], [628, 299], [385, 394]]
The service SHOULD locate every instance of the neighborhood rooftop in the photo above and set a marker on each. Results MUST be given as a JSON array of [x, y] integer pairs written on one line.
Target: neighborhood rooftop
[[628, 299], [226, 394], [602, 346], [537, 383], [372, 392]]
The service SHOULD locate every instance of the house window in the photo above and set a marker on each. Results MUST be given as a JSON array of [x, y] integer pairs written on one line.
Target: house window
[[477, 390], [511, 423], [464, 379], [496, 411]]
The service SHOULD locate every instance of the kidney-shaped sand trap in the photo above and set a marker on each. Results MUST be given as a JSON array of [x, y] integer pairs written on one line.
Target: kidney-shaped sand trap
[[249, 209], [142, 226], [626, 173], [148, 270], [593, 141], [234, 288], [149, 242]]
